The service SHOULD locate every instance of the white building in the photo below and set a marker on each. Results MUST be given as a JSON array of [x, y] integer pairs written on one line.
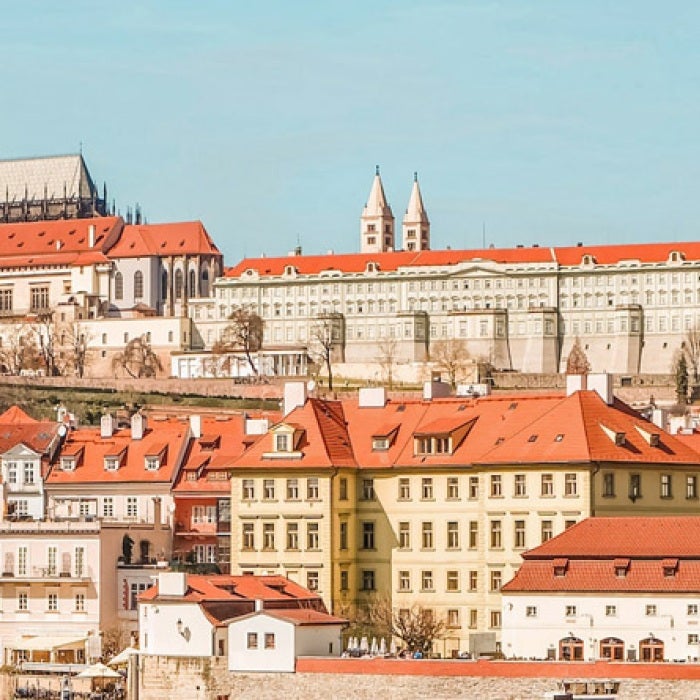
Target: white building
[[608, 588]]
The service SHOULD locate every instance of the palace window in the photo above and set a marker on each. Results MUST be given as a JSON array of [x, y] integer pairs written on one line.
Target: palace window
[[138, 284]]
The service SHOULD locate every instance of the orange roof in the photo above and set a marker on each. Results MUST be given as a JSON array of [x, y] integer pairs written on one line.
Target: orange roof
[[60, 242], [658, 554], [390, 262], [16, 428], [132, 464], [303, 616], [184, 238], [502, 429], [15, 415]]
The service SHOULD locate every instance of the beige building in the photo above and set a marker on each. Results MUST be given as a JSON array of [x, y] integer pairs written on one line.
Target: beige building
[[518, 308], [431, 501]]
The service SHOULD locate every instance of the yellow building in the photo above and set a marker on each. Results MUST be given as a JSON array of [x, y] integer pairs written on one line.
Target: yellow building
[[430, 502]]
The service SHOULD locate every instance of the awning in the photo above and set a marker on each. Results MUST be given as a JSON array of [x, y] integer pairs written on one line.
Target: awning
[[45, 643]]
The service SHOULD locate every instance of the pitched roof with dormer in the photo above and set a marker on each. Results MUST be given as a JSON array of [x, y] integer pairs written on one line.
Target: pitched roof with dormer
[[18, 428], [131, 454], [620, 554]]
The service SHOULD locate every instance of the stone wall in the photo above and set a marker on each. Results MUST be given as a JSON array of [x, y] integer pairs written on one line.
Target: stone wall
[[209, 679]]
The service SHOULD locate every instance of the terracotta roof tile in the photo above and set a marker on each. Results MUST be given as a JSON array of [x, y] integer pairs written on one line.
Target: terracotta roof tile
[[182, 238]]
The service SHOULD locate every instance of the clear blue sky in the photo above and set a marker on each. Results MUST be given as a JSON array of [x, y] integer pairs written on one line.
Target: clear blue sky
[[545, 121]]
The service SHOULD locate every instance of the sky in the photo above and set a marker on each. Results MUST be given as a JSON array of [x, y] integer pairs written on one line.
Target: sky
[[537, 121]]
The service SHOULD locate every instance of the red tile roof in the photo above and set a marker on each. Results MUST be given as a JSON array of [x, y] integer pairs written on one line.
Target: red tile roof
[[302, 616], [132, 466], [15, 415], [657, 554], [183, 238], [390, 262]]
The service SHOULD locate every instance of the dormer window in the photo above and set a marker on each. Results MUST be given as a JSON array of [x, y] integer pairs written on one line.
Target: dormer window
[[621, 567], [433, 445], [111, 464], [283, 442], [152, 464], [290, 271], [676, 256], [588, 260], [560, 566], [670, 567], [380, 443], [68, 464], [383, 437], [372, 267]]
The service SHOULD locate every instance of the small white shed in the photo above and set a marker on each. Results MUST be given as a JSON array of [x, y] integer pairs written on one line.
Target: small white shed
[[271, 640]]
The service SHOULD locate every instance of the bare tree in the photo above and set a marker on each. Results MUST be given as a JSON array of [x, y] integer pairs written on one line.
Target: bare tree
[[19, 351], [451, 355], [137, 359], [577, 362], [691, 350], [388, 350], [46, 333], [219, 363], [74, 342], [324, 337], [243, 333]]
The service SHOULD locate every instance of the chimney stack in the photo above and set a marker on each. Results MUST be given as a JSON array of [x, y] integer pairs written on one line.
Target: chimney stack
[[107, 425], [196, 426], [91, 235]]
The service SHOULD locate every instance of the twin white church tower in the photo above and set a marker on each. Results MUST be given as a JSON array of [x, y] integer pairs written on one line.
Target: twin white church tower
[[377, 222]]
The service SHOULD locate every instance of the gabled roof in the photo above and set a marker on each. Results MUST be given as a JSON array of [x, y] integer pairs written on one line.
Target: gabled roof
[[18, 428], [298, 616], [15, 415], [621, 554], [184, 238]]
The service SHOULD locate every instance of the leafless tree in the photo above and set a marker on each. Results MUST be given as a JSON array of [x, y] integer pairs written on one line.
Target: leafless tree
[[388, 350], [244, 333], [137, 359], [451, 355], [577, 362], [219, 363], [691, 349], [324, 337], [46, 333], [74, 343], [19, 350]]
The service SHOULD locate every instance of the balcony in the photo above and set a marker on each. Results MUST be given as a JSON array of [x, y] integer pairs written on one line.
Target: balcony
[[42, 574]]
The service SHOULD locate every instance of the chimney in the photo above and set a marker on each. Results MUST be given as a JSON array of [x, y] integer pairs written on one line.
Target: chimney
[[196, 425], [602, 384], [259, 605], [172, 583], [659, 417], [575, 382], [372, 397], [107, 425], [58, 245], [294, 396], [256, 426], [91, 235], [435, 390], [138, 425]]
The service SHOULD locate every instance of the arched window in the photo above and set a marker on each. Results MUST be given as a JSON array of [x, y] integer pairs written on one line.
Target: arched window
[[612, 649], [164, 285], [138, 284], [205, 282], [571, 649], [178, 284], [192, 286], [118, 286]]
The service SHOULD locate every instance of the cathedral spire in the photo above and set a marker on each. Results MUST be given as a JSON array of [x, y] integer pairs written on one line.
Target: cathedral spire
[[377, 220], [416, 225]]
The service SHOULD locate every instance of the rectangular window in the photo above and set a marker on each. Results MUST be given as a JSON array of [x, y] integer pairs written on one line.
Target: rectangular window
[[635, 486], [312, 489], [282, 442], [547, 530], [570, 485], [452, 534], [404, 535], [79, 602], [367, 534], [248, 537], [609, 485], [292, 535], [496, 539], [427, 489], [404, 580], [473, 618], [51, 563], [404, 489], [268, 536], [39, 298], [52, 602], [344, 580], [531, 611], [426, 580], [343, 535], [650, 610], [496, 486], [427, 535], [368, 583], [519, 534], [11, 472], [269, 489], [269, 640], [312, 580], [570, 611], [496, 580], [22, 600], [132, 507], [28, 473], [520, 486], [495, 619], [547, 484], [248, 489], [691, 486], [452, 488], [473, 487], [473, 534], [22, 561], [312, 536], [611, 611], [252, 640], [666, 491], [367, 493], [452, 580], [453, 618], [292, 489], [473, 580], [693, 638], [135, 589], [692, 610], [343, 489], [79, 561], [6, 299], [108, 507]]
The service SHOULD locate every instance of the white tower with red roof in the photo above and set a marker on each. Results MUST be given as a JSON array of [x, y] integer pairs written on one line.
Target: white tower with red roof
[[377, 221]]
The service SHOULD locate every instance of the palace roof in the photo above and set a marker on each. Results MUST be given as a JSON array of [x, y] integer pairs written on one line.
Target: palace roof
[[184, 238], [571, 256]]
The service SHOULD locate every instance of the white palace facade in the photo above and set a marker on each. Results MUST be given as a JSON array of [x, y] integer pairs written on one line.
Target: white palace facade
[[519, 308]]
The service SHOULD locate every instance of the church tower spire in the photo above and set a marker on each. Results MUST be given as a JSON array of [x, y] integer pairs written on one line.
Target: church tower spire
[[416, 226], [377, 221]]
